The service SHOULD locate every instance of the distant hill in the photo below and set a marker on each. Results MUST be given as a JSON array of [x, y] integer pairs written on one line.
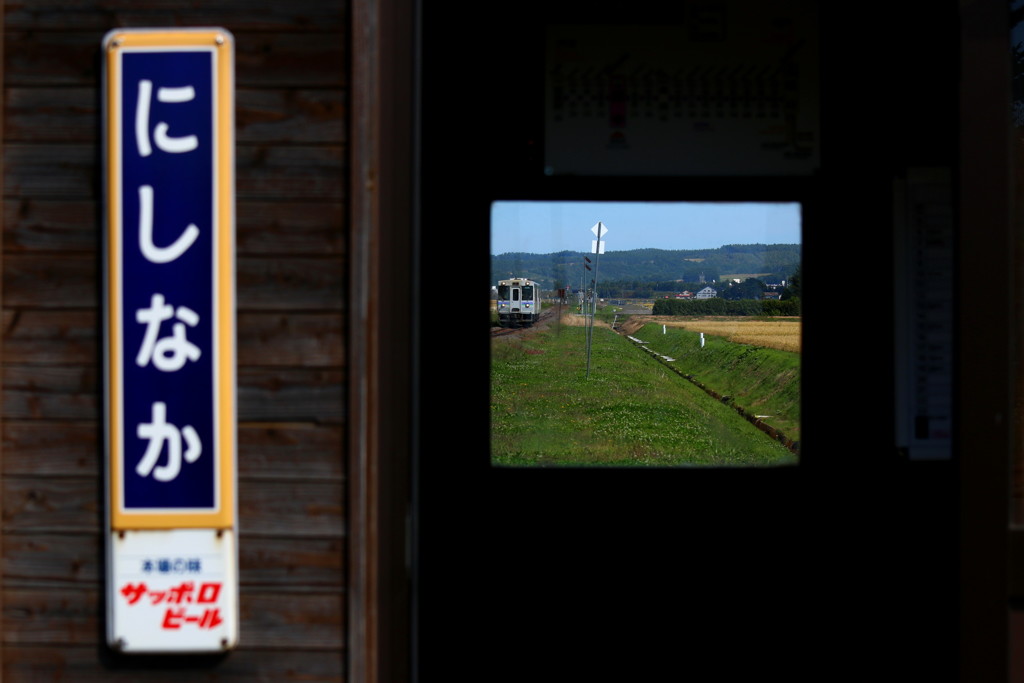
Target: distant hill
[[768, 262]]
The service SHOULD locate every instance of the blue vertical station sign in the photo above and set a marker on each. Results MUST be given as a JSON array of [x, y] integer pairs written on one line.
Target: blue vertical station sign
[[170, 339]]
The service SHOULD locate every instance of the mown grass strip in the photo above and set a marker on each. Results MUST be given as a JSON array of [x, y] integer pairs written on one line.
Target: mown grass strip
[[761, 380], [632, 411]]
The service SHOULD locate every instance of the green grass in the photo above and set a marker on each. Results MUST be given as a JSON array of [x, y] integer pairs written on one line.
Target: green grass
[[631, 411], [760, 380]]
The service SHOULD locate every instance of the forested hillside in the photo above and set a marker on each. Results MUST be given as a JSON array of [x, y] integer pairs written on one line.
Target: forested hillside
[[644, 267]]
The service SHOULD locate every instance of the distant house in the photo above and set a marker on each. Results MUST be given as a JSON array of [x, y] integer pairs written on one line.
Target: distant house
[[706, 293], [772, 295], [685, 295]]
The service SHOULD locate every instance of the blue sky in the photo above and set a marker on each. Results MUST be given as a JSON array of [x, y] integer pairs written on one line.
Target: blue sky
[[542, 227]]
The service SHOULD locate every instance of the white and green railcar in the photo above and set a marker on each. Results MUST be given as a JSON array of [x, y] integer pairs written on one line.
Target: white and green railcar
[[518, 302]]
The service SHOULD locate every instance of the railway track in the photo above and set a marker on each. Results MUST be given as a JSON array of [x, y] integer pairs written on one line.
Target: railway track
[[546, 316]]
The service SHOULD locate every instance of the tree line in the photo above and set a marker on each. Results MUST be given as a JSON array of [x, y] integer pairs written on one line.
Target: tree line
[[718, 306], [736, 298]]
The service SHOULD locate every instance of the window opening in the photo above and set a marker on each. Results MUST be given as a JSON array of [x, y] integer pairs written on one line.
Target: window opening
[[647, 333]]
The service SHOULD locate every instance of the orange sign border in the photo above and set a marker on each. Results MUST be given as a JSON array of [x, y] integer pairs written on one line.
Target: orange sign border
[[222, 44]]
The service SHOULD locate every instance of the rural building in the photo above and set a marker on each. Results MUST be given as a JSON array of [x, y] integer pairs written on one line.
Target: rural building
[[375, 542], [706, 293]]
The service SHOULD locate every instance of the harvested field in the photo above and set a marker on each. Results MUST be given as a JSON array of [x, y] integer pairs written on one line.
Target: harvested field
[[782, 333]]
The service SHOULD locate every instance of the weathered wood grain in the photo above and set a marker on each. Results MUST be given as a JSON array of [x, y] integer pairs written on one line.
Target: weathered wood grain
[[264, 394], [295, 564], [35, 663], [60, 171], [51, 225], [41, 449], [263, 283], [282, 452], [302, 508], [281, 228], [52, 505], [47, 337], [307, 16], [292, 114], [276, 452], [287, 227], [68, 504], [291, 395], [48, 115], [310, 173], [51, 281], [280, 116], [45, 559], [71, 337], [290, 284], [71, 616], [51, 393], [71, 171], [263, 59]]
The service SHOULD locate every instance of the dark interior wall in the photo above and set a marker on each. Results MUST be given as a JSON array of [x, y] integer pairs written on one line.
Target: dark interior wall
[[844, 568], [291, 112]]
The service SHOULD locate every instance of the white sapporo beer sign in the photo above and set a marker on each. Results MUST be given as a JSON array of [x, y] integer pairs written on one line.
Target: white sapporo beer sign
[[172, 577]]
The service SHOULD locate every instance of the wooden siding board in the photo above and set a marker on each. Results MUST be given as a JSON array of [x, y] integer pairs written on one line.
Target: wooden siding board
[[37, 449], [294, 172], [277, 452], [55, 559], [53, 393], [297, 509], [289, 227], [52, 505], [267, 563], [72, 616], [282, 452], [35, 663], [51, 281], [275, 338], [57, 171], [264, 394], [262, 59], [47, 337], [296, 16], [48, 225], [297, 283], [71, 280], [291, 161], [262, 116], [69, 171], [281, 227], [291, 395]]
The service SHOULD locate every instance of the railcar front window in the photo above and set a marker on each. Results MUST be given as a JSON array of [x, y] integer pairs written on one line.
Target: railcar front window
[[669, 334]]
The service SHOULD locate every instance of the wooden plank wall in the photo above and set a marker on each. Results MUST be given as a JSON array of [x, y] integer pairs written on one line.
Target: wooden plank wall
[[291, 66]]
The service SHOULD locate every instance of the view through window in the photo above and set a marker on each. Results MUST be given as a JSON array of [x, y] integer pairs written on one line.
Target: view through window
[[645, 333]]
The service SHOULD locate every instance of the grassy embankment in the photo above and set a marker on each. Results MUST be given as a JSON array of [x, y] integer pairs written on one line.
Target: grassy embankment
[[738, 361], [631, 411]]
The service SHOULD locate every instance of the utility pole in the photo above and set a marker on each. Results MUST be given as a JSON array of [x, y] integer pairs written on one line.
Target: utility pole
[[597, 248]]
